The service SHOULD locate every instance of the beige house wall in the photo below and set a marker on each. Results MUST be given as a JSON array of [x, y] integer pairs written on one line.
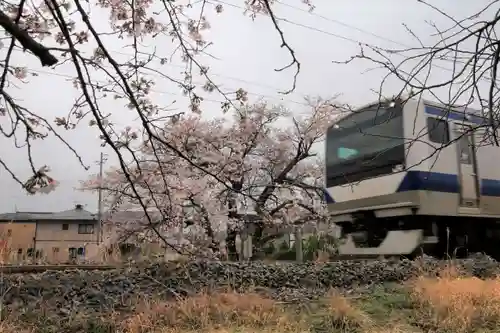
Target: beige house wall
[[19, 235], [54, 242], [15, 240], [53, 231], [58, 251]]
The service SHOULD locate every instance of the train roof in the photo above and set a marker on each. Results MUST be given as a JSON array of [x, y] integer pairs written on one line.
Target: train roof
[[473, 115], [456, 109]]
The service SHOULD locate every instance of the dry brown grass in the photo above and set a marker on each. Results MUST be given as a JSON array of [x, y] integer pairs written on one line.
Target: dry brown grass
[[218, 312], [9, 327], [230, 311], [342, 315], [457, 303], [224, 312]]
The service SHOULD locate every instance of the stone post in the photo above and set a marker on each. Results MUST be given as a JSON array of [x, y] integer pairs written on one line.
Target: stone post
[[243, 241], [248, 247], [299, 256]]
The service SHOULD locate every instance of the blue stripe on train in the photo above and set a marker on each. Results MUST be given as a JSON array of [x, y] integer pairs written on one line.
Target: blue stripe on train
[[327, 197], [455, 115], [429, 181], [444, 182], [465, 117], [437, 182]]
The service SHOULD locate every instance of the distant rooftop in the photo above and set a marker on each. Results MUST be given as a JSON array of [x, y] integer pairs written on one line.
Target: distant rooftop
[[76, 214]]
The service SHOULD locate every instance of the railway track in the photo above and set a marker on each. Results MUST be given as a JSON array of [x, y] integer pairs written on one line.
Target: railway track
[[12, 269], [15, 269]]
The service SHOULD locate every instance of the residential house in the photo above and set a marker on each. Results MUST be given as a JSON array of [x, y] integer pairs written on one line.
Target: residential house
[[65, 236], [128, 229]]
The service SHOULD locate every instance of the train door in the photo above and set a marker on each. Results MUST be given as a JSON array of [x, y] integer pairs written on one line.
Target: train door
[[467, 166]]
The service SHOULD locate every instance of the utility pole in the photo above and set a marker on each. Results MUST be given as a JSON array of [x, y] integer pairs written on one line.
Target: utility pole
[[99, 201]]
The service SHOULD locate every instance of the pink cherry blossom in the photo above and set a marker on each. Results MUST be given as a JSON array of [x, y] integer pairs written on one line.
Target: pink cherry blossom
[[268, 168]]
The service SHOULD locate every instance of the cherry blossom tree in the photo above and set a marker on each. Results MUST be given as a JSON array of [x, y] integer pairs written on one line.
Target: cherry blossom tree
[[262, 163], [62, 32]]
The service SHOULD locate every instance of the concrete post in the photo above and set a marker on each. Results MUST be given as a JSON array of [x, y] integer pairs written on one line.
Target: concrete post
[[243, 241], [248, 247], [298, 244]]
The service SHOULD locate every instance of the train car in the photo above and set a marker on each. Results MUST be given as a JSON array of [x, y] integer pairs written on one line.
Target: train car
[[404, 178]]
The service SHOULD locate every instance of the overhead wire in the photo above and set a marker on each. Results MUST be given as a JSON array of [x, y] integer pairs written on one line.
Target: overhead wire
[[349, 26], [285, 20], [349, 39], [258, 95], [258, 84]]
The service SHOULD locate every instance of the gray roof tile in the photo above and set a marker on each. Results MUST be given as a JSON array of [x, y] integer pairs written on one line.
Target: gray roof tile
[[67, 215]]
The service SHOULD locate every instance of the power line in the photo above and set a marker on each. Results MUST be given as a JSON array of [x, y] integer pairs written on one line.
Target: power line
[[201, 83], [453, 61], [363, 31], [312, 13], [241, 80], [214, 74], [296, 24], [352, 40], [301, 25], [349, 39], [285, 20], [293, 23], [162, 91]]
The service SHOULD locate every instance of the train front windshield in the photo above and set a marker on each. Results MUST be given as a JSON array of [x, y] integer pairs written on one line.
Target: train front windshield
[[365, 144]]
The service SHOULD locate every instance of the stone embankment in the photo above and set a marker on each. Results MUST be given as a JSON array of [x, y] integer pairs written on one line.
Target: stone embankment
[[75, 291]]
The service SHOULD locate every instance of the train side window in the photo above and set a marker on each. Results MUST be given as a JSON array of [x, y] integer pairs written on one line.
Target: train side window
[[438, 130]]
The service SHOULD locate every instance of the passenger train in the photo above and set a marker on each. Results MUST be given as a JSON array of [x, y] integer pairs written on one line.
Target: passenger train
[[404, 178]]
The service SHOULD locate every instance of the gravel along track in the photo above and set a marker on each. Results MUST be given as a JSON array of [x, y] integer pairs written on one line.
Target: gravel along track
[[65, 292]]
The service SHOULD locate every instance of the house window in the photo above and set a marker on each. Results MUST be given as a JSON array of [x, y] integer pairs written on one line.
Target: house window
[[81, 251], [438, 130], [85, 228], [9, 232], [30, 251], [72, 253], [65, 226]]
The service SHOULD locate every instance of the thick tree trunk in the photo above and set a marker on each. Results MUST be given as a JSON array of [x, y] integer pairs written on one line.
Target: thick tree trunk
[[233, 214], [257, 241]]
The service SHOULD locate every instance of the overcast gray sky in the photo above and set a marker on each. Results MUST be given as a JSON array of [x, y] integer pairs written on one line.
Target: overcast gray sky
[[247, 53]]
